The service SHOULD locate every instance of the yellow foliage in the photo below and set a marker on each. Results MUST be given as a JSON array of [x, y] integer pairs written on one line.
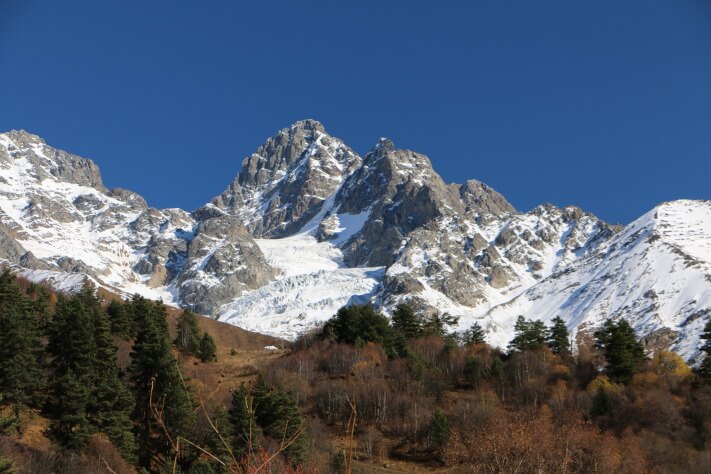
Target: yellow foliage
[[670, 363], [601, 382]]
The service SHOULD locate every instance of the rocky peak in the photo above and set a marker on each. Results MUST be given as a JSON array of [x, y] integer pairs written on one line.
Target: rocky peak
[[289, 178], [41, 161], [479, 198]]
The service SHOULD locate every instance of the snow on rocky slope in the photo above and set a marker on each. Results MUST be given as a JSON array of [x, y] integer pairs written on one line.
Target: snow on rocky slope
[[308, 226]]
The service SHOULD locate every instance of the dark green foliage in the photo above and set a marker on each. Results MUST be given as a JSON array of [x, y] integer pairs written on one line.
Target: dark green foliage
[[474, 335], [437, 324], [439, 430], [277, 414], [20, 345], [208, 349], [111, 402], [358, 324], [558, 338], [529, 335], [243, 426], [157, 383], [406, 323], [188, 333], [601, 403], [706, 349], [624, 354], [474, 371], [73, 353], [121, 320]]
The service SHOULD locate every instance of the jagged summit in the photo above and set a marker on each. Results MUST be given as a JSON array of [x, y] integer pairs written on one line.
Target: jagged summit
[[307, 225]]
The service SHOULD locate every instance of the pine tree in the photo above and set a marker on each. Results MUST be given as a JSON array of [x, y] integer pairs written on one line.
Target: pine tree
[[439, 429], [406, 323], [558, 338], [20, 345], [706, 349], [624, 354], [111, 402], [243, 426], [157, 384], [474, 335], [277, 414], [73, 352], [207, 350], [437, 324], [188, 333], [358, 323], [528, 335], [120, 319]]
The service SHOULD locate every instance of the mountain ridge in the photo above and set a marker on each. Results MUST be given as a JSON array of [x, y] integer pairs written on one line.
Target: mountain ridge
[[384, 228]]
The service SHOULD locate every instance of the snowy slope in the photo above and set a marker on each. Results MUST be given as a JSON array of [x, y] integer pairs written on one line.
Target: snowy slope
[[312, 285], [656, 273]]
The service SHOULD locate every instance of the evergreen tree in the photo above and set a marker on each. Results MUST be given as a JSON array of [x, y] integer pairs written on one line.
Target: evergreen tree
[[528, 335], [188, 333], [243, 426], [439, 429], [20, 345], [157, 384], [120, 319], [73, 353], [706, 349], [207, 348], [624, 354], [558, 338], [437, 324], [111, 402], [277, 414], [6, 466], [358, 323], [406, 323], [474, 335]]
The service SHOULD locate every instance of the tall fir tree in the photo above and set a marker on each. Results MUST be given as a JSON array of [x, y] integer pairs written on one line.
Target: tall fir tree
[[72, 348], [162, 400], [244, 429], [474, 335], [20, 345], [706, 349], [529, 335], [558, 338], [624, 353], [111, 401], [187, 339], [120, 319], [406, 323]]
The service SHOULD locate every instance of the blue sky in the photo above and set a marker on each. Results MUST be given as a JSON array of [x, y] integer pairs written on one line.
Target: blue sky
[[605, 104]]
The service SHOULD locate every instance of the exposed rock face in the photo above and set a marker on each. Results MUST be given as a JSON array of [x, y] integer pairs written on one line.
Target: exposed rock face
[[56, 215], [288, 180], [308, 226]]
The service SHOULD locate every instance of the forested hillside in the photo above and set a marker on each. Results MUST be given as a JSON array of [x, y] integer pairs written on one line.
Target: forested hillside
[[91, 383]]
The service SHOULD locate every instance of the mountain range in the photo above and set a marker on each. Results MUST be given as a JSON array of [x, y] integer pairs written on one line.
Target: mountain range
[[308, 225]]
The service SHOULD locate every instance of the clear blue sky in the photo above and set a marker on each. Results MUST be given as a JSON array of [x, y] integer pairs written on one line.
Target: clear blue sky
[[604, 104]]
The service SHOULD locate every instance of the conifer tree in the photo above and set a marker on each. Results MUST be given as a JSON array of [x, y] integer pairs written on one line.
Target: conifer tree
[[243, 427], [161, 397], [624, 354], [208, 349], [111, 402], [20, 345], [528, 335], [558, 338], [474, 335], [277, 414], [406, 323], [120, 319], [437, 324], [188, 333], [73, 352], [706, 349]]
